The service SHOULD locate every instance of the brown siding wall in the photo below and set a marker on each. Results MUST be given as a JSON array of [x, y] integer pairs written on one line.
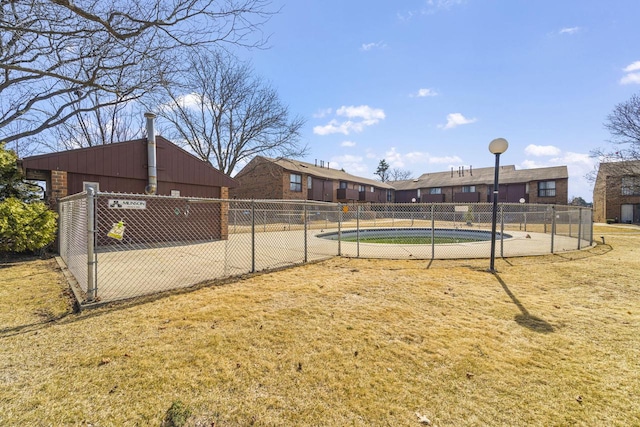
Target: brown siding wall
[[165, 220]]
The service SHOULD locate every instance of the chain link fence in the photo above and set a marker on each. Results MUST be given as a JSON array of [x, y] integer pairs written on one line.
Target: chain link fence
[[122, 246]]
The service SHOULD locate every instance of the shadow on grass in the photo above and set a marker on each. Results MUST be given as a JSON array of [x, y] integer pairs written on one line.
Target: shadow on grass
[[525, 318]]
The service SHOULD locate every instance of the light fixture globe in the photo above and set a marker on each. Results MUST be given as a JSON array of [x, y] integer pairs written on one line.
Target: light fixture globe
[[498, 146]]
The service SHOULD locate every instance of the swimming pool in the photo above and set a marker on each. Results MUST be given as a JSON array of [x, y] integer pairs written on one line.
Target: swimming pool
[[415, 236]]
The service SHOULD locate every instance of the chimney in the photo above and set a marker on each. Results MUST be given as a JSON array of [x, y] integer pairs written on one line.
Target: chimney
[[152, 186]]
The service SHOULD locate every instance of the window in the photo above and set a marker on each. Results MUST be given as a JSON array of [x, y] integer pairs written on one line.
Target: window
[[175, 193], [295, 182], [469, 189], [309, 183], [630, 185], [389, 196], [343, 184], [418, 192], [373, 190], [547, 189], [361, 188], [435, 190]]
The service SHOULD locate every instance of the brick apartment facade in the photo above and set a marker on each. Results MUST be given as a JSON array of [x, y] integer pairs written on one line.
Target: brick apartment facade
[[468, 185], [266, 178], [616, 193]]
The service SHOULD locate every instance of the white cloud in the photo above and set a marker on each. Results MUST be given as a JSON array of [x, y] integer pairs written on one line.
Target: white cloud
[[351, 164], [368, 116], [578, 166], [190, 100], [433, 6], [348, 144], [634, 66], [430, 7], [541, 150], [424, 93], [324, 112], [394, 158], [631, 78], [362, 111], [445, 160], [456, 119], [569, 30], [370, 46]]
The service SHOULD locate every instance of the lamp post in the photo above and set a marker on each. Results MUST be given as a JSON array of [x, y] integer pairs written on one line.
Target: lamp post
[[497, 147]]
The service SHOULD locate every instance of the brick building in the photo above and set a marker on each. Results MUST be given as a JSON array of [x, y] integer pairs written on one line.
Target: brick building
[[616, 193], [540, 185], [266, 178]]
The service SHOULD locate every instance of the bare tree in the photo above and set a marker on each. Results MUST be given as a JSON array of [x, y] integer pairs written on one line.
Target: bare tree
[[624, 125], [226, 115], [397, 174], [56, 54], [114, 121]]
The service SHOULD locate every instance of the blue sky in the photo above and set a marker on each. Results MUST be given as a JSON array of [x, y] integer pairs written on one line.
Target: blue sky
[[427, 84]]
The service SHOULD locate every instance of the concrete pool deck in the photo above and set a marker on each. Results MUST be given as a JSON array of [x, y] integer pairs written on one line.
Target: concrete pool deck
[[123, 274]]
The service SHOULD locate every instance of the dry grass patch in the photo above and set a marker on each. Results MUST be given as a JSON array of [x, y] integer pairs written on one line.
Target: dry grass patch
[[550, 340]]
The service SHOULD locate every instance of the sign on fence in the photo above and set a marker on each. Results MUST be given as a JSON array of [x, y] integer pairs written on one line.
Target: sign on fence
[[127, 204]]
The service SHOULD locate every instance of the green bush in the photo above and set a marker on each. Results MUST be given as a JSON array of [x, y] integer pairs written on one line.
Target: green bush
[[26, 226]]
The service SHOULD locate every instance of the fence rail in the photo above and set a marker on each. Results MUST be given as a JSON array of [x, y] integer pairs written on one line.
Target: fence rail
[[122, 246]]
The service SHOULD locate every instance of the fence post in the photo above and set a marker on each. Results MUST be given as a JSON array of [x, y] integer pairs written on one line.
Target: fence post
[[553, 225], [340, 211], [501, 231], [305, 232], [358, 231], [253, 236], [591, 227], [91, 258], [433, 232], [569, 213], [579, 227]]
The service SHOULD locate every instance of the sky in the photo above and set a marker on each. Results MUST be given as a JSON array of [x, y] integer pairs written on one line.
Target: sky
[[427, 84]]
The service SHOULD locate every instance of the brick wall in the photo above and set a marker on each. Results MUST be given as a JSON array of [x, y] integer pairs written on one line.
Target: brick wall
[[260, 179], [286, 186], [615, 199], [59, 187], [224, 214], [561, 197], [600, 199]]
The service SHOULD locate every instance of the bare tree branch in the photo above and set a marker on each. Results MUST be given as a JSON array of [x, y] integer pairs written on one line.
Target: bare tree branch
[[226, 115], [624, 125], [50, 49]]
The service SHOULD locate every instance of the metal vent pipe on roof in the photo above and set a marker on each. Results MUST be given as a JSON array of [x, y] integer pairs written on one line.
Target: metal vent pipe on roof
[[152, 186]]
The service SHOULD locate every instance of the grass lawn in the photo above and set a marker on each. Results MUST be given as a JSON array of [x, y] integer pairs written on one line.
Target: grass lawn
[[547, 341]]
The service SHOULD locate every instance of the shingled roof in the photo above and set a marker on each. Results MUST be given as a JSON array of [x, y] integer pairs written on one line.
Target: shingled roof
[[325, 172], [508, 175]]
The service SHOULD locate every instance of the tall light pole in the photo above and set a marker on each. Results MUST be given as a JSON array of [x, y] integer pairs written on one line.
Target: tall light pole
[[497, 147]]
